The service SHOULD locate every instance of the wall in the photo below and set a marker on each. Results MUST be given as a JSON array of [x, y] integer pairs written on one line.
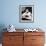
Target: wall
[[9, 13]]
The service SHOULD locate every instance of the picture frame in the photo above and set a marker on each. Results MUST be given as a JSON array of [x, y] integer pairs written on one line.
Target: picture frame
[[26, 13]]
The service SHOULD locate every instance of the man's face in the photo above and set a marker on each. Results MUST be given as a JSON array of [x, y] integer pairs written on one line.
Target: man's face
[[27, 10]]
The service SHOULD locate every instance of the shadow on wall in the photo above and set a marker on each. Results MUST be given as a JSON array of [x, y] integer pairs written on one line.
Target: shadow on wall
[[2, 26]]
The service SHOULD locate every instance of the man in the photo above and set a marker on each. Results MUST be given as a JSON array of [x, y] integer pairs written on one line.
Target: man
[[26, 15]]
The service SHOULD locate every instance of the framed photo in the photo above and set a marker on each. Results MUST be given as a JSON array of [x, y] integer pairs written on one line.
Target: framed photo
[[26, 13]]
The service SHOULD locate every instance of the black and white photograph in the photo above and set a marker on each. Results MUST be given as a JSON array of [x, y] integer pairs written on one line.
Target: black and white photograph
[[26, 13]]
